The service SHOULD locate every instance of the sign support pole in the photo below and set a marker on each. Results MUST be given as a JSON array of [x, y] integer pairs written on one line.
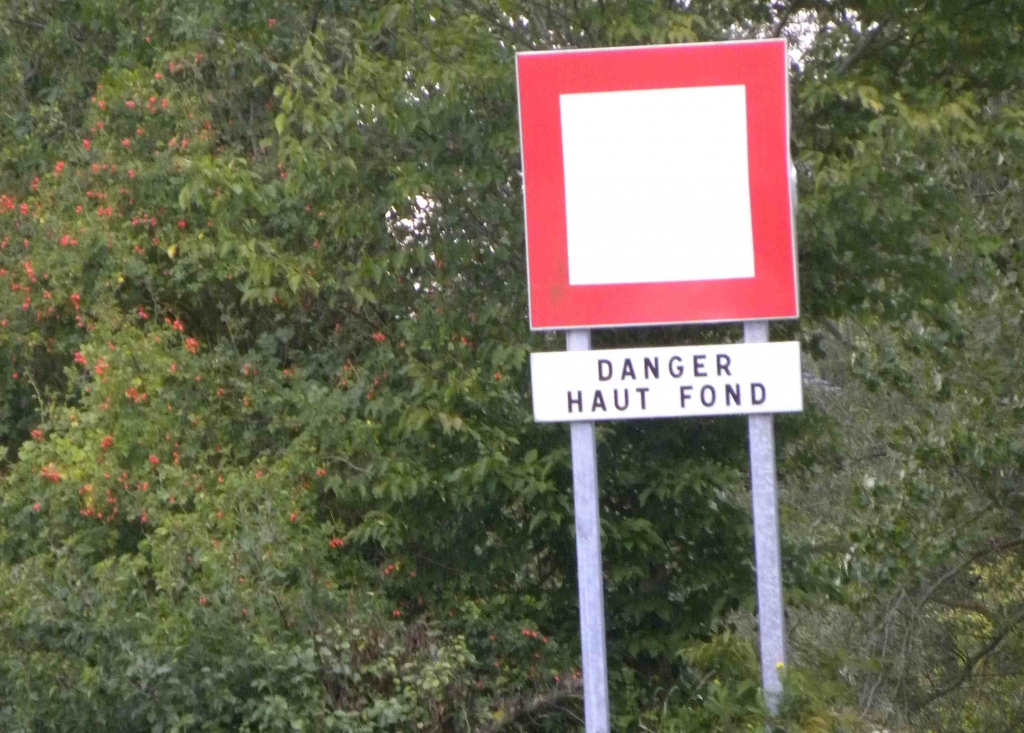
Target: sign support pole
[[768, 556], [588, 561]]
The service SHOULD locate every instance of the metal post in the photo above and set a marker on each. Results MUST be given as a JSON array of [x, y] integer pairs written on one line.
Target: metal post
[[588, 562], [770, 610]]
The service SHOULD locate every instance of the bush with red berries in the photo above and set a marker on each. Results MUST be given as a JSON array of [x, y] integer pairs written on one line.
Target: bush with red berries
[[263, 367]]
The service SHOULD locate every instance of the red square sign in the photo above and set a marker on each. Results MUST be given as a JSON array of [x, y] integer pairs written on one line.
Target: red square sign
[[656, 183]]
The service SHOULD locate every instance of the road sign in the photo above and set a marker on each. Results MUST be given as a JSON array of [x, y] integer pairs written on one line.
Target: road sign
[[659, 189], [683, 381], [656, 185]]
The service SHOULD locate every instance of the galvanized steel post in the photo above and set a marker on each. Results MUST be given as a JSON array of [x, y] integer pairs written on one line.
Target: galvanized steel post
[[588, 561], [767, 553]]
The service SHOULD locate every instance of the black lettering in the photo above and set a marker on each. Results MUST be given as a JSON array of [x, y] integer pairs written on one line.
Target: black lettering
[[723, 364], [625, 395], [602, 364], [643, 397], [704, 391], [578, 401], [684, 394], [598, 402], [627, 369], [675, 367], [755, 397], [732, 394], [698, 365], [650, 368]]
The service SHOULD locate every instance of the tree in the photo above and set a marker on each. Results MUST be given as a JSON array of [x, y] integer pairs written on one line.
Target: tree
[[270, 458]]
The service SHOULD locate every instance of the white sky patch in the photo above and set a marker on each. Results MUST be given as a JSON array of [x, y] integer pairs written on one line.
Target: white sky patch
[[407, 230], [801, 30]]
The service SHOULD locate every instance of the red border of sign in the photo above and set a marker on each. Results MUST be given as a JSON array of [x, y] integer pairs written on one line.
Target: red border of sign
[[758, 65]]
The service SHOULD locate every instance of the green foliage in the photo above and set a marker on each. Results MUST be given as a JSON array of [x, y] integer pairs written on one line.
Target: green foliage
[[269, 457]]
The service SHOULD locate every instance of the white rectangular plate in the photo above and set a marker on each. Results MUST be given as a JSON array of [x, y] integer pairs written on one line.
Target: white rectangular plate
[[674, 381]]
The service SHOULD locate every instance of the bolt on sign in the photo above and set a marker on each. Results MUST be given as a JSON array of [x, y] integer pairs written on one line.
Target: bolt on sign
[[658, 189]]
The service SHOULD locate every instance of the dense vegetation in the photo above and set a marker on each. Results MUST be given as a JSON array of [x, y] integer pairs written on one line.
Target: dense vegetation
[[269, 460]]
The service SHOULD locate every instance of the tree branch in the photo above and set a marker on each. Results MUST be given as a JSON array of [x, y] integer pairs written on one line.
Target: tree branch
[[930, 591], [33, 24], [969, 560], [972, 661], [571, 690], [783, 20], [866, 41]]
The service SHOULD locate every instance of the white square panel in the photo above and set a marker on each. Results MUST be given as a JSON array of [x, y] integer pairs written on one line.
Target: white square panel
[[657, 186]]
